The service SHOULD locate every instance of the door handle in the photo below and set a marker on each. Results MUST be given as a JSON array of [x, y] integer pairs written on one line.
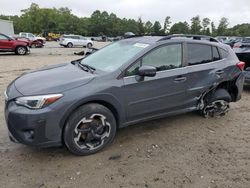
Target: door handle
[[219, 72], [180, 79]]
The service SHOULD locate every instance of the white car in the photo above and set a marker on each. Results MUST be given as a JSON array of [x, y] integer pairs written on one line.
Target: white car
[[32, 37], [75, 40]]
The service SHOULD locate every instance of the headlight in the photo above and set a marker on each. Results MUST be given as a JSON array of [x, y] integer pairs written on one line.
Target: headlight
[[37, 102]]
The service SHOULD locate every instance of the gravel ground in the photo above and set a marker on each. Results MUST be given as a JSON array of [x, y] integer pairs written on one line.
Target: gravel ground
[[181, 151]]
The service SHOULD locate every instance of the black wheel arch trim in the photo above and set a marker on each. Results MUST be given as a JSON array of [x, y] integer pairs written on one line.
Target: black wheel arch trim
[[106, 100]]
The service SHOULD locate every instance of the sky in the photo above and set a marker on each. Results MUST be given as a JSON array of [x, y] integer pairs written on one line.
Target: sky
[[238, 11]]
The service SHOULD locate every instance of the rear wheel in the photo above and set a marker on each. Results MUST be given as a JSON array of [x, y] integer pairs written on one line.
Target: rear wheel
[[89, 129], [69, 45], [217, 105], [21, 50]]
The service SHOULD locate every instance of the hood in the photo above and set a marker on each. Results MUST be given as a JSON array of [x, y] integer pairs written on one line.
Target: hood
[[52, 79]]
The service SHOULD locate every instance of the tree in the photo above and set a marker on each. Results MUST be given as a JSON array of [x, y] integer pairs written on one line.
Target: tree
[[148, 27], [157, 28], [213, 29], [167, 23], [205, 24], [196, 25], [180, 28], [222, 28], [141, 28]]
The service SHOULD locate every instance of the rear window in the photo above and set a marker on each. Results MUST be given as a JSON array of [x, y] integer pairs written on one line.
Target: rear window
[[202, 53]]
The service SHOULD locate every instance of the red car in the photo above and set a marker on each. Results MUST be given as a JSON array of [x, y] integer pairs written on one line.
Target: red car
[[9, 44], [32, 43]]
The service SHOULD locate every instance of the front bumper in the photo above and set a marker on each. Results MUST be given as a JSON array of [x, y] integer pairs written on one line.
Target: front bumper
[[32, 127]]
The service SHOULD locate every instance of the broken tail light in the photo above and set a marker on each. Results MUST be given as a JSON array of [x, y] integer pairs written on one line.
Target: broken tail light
[[241, 65]]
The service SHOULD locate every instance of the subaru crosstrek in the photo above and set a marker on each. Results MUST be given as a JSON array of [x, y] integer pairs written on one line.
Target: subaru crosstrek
[[82, 104]]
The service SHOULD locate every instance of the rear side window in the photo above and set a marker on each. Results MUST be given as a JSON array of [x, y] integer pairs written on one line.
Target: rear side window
[[202, 53], [75, 37], [199, 54]]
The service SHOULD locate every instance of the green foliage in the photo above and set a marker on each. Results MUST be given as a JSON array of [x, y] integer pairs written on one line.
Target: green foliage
[[38, 20], [196, 25], [180, 28]]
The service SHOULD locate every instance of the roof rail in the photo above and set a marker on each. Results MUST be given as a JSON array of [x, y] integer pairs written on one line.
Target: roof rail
[[190, 36]]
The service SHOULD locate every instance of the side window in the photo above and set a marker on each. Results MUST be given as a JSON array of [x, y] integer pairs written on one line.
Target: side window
[[216, 55], [75, 37], [2, 37], [199, 54], [30, 35], [164, 58], [133, 70], [23, 35]]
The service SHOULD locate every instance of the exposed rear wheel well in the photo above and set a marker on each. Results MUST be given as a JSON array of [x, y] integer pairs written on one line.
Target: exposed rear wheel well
[[230, 87]]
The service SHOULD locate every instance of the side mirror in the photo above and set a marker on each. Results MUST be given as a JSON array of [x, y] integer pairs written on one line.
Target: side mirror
[[149, 71], [248, 69], [143, 71]]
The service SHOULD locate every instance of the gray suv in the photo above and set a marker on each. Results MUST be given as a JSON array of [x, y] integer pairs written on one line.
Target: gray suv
[[82, 104]]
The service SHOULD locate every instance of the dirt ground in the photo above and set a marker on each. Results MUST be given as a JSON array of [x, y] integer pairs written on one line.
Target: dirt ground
[[181, 151]]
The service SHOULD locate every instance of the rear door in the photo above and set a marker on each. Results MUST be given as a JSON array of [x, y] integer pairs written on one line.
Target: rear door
[[83, 41], [205, 68], [76, 41], [164, 93]]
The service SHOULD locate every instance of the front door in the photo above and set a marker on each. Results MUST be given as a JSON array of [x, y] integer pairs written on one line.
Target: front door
[[157, 95], [5, 43]]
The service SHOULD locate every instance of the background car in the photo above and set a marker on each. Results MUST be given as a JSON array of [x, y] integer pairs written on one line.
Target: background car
[[242, 50], [9, 44], [75, 40], [32, 37], [32, 43]]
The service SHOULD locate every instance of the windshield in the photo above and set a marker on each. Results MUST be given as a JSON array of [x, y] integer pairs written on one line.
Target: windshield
[[114, 55]]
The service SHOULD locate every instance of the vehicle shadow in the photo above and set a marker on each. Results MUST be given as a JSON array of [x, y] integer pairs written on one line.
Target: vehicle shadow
[[8, 54]]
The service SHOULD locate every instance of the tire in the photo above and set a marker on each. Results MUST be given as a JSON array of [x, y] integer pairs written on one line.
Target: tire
[[21, 50], [69, 45], [98, 126], [217, 105], [89, 45]]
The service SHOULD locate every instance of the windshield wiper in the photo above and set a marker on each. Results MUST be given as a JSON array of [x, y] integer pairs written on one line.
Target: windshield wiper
[[87, 68]]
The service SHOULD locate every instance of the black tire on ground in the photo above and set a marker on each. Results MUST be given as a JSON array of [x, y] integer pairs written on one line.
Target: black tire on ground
[[217, 105], [21, 50], [89, 129], [69, 45], [89, 45]]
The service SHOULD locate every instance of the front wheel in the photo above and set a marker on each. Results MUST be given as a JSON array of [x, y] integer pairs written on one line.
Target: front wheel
[[69, 45], [21, 50], [89, 45], [89, 129]]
